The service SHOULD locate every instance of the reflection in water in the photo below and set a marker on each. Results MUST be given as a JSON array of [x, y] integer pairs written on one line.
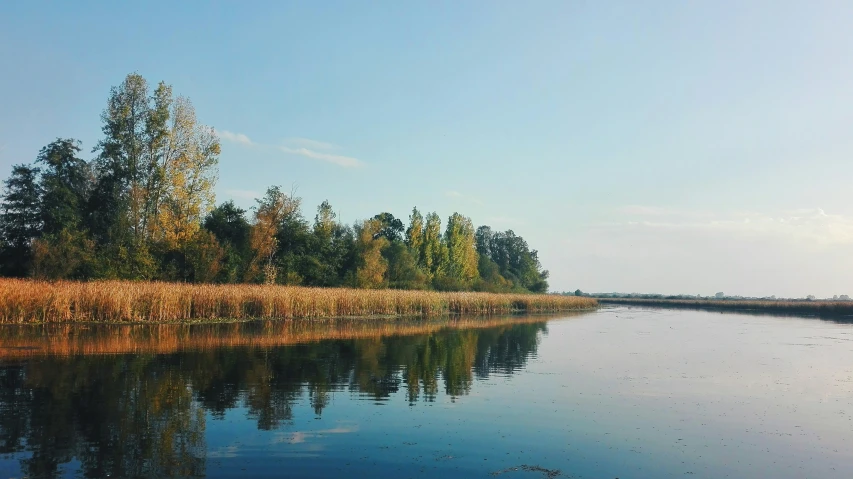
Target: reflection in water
[[137, 407]]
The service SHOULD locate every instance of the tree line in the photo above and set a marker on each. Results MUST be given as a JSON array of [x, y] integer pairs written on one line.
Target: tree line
[[143, 208]]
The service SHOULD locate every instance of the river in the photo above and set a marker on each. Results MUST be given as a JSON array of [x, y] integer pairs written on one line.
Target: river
[[617, 393]]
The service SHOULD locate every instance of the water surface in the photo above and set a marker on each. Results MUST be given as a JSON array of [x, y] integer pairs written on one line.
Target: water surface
[[623, 392]]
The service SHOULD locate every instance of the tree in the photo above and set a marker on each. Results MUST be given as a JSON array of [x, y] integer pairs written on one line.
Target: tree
[[20, 220], [371, 265], [297, 257], [434, 253], [228, 224], [415, 235], [125, 152], [483, 239], [332, 251], [324, 221], [65, 184], [461, 252], [68, 254], [185, 193], [263, 240], [515, 260], [121, 206], [391, 228], [403, 271], [204, 257], [491, 279]]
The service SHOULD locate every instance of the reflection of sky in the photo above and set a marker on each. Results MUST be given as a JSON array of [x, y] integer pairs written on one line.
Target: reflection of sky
[[622, 393]]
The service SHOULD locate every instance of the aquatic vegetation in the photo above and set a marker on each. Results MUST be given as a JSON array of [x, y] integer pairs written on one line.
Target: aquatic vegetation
[[27, 301]]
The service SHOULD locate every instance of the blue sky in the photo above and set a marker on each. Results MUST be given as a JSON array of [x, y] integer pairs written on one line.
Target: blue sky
[[659, 146]]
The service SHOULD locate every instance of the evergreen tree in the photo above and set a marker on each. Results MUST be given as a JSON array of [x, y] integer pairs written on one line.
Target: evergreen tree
[[20, 220]]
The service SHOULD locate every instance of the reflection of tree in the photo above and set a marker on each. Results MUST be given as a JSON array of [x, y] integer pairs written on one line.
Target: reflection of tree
[[143, 415], [119, 416]]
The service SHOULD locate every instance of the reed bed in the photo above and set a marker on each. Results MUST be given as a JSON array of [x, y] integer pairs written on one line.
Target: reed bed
[[791, 307], [28, 301], [67, 339]]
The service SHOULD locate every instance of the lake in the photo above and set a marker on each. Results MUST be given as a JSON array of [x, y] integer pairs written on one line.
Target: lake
[[617, 393]]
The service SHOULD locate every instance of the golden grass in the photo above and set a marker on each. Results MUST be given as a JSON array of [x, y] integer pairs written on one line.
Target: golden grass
[[67, 339], [27, 301], [795, 307]]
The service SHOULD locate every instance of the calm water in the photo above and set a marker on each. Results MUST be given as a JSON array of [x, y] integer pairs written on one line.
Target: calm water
[[627, 393]]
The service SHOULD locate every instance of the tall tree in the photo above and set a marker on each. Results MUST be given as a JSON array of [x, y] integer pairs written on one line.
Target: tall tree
[[434, 253], [127, 162], [415, 235], [122, 152], [20, 220], [188, 176], [461, 252]]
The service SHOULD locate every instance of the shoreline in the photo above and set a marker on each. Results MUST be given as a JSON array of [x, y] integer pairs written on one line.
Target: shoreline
[[818, 309]]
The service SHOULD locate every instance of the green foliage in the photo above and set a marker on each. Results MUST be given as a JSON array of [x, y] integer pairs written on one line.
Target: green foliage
[[461, 253], [143, 209], [20, 220], [403, 271], [65, 184], [228, 224], [515, 260], [68, 254], [434, 250], [391, 228], [371, 265]]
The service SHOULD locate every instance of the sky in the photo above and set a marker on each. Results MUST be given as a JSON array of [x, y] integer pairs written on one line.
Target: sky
[[664, 146]]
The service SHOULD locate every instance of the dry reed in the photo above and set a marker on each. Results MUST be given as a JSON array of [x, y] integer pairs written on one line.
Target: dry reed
[[27, 301]]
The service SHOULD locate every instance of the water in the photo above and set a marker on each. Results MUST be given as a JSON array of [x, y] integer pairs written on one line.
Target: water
[[627, 393]]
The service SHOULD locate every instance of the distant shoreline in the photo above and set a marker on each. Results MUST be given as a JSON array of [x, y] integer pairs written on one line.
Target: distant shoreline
[[787, 307]]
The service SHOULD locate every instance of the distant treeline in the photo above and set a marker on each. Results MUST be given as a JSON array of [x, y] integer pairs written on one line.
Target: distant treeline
[[143, 208], [823, 308]]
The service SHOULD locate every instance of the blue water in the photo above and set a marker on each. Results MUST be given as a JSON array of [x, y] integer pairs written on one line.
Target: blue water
[[627, 393]]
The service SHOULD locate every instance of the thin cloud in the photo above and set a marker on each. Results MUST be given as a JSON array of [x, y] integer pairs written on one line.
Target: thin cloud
[[245, 194], [235, 137], [340, 160], [297, 146], [456, 194], [297, 142]]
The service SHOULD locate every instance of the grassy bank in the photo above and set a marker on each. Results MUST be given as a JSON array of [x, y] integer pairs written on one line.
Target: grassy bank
[[790, 307], [25, 301]]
